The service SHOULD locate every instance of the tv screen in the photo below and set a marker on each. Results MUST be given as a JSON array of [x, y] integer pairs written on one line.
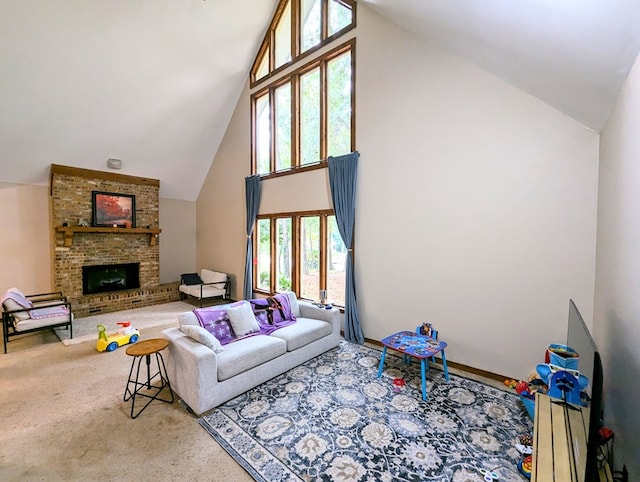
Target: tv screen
[[579, 338]]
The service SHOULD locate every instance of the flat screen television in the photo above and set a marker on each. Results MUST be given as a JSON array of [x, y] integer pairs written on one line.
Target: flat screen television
[[579, 338]]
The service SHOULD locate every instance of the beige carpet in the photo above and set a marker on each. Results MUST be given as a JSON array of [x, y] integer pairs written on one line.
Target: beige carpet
[[85, 329], [62, 418]]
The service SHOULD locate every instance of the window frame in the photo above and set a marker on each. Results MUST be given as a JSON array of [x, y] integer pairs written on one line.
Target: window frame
[[267, 47], [269, 90], [296, 217]]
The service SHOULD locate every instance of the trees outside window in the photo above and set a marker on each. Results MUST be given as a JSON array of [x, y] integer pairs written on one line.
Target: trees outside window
[[309, 252]]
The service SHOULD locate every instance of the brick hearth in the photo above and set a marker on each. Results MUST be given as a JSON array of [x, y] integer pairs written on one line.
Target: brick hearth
[[70, 200]]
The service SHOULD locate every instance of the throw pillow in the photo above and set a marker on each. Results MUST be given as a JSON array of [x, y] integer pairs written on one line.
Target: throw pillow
[[242, 319], [190, 279], [216, 321], [273, 310], [201, 335], [188, 318]]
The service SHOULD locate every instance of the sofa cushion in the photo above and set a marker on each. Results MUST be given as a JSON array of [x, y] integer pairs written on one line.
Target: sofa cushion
[[303, 332], [190, 279], [242, 319], [247, 353], [209, 276], [199, 334]]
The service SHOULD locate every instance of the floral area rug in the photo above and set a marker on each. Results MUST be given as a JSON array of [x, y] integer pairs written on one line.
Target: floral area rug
[[331, 418]]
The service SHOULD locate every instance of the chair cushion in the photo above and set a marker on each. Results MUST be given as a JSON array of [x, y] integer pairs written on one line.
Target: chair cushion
[[29, 324], [190, 279], [209, 276], [207, 291]]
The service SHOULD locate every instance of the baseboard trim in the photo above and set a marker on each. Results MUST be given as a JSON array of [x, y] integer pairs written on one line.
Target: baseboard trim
[[457, 366]]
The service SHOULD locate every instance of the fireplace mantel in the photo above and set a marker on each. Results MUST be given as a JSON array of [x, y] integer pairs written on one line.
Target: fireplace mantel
[[69, 231]]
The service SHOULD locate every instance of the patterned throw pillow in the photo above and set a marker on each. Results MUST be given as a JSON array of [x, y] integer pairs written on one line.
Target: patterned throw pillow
[[216, 321], [273, 310]]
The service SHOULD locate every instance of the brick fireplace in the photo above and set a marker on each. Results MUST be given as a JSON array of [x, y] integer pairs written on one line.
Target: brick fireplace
[[77, 247]]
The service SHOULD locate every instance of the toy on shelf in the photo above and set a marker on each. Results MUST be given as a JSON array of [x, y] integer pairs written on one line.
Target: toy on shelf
[[126, 334]]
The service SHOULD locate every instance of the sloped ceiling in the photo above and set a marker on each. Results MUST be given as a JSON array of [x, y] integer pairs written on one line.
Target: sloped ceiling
[[572, 54], [155, 82], [151, 82]]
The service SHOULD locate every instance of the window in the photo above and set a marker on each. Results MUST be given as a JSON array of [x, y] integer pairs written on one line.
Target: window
[[298, 28], [312, 110], [309, 255]]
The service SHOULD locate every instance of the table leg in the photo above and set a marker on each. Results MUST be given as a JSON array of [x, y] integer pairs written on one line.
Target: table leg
[[444, 366], [384, 354], [423, 372]]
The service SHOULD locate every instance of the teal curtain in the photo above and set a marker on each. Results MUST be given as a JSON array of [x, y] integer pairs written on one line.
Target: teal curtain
[[252, 194], [342, 180]]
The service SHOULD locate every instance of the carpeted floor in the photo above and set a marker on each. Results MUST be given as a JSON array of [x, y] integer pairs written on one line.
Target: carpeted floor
[[85, 329], [62, 418], [333, 419]]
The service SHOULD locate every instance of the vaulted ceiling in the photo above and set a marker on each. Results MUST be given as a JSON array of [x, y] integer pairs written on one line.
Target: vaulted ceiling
[[155, 82]]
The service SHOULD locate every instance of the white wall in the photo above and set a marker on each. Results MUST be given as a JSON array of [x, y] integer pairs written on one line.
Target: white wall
[[617, 302], [476, 203], [220, 207], [25, 243], [177, 219]]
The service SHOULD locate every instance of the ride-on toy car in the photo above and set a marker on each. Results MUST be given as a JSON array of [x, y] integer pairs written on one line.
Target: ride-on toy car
[[126, 334]]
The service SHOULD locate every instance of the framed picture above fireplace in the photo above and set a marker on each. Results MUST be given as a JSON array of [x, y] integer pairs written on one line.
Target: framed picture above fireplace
[[113, 209]]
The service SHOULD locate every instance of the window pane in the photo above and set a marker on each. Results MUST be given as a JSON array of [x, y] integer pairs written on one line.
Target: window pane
[[311, 17], [340, 16], [339, 105], [263, 135], [336, 263], [263, 66], [310, 257], [310, 117], [264, 255], [283, 37], [283, 250], [283, 127]]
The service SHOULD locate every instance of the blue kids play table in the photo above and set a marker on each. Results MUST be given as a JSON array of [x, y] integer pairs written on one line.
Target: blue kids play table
[[415, 345]]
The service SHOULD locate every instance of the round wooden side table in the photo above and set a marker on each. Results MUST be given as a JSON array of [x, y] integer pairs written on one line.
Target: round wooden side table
[[156, 382]]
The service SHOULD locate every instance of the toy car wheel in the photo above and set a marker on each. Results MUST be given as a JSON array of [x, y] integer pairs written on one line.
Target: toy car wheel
[[112, 346], [133, 338]]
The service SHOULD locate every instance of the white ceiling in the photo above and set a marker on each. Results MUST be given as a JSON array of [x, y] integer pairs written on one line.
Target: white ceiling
[[155, 82]]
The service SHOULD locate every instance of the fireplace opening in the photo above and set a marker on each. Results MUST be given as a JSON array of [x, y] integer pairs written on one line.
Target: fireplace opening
[[110, 277]]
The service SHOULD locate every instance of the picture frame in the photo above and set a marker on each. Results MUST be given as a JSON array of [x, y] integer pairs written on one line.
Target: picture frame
[[110, 209]]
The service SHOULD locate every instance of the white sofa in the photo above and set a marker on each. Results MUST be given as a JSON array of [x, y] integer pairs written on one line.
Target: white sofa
[[205, 379]]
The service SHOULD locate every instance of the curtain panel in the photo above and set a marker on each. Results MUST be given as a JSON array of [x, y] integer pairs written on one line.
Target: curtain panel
[[252, 193], [342, 180]]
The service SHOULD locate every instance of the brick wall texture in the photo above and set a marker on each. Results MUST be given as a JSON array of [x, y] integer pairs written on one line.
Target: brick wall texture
[[70, 203]]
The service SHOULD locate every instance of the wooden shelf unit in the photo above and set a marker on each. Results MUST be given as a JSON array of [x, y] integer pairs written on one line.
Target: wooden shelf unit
[[69, 231]]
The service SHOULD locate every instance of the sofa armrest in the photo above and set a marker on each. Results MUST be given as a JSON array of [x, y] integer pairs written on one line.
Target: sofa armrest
[[193, 368], [309, 310]]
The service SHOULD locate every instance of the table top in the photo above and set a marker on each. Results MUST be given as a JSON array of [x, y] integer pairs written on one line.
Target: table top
[[147, 347], [419, 346]]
